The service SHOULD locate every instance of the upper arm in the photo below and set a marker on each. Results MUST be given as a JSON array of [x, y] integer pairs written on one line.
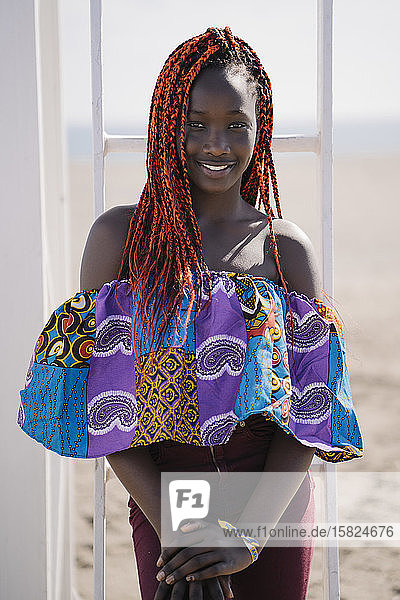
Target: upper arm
[[104, 248], [297, 259]]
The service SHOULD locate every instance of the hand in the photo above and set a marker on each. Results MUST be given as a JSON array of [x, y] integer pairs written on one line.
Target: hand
[[214, 588], [186, 559]]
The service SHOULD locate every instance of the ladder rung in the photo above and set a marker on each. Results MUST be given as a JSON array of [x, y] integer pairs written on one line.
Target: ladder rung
[[280, 143]]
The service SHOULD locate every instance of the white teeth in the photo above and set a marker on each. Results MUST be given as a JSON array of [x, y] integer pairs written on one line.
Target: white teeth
[[214, 167]]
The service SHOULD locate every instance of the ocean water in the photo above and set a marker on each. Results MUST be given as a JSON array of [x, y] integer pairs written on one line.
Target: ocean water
[[350, 137]]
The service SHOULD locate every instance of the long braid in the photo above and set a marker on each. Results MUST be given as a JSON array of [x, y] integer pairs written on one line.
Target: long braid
[[163, 247]]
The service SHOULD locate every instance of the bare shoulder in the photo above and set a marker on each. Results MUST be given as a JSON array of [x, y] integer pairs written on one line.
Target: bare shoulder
[[104, 247], [297, 258]]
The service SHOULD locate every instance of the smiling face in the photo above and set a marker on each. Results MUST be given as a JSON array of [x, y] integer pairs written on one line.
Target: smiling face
[[220, 131]]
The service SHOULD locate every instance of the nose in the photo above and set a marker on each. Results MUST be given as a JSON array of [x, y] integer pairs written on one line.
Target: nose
[[216, 144]]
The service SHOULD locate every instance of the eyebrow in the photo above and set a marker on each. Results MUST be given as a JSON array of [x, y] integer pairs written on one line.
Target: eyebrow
[[229, 112]]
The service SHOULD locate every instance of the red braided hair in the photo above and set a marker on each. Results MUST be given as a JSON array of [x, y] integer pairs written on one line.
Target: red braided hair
[[163, 246]]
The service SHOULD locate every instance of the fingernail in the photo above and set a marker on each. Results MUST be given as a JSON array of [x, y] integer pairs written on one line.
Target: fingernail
[[188, 525], [170, 579], [160, 562], [160, 576]]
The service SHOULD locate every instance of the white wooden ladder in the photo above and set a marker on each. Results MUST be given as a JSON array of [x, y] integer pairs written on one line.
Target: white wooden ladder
[[321, 143]]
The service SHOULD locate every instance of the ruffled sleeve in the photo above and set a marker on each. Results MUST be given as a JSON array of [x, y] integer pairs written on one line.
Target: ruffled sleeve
[[79, 398], [53, 408], [320, 411]]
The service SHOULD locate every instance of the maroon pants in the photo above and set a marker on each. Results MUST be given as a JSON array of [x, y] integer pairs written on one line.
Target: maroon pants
[[280, 573]]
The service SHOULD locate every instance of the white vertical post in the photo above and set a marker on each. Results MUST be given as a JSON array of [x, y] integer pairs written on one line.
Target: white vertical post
[[99, 530], [23, 556], [96, 25], [56, 278], [325, 128], [331, 589], [99, 522]]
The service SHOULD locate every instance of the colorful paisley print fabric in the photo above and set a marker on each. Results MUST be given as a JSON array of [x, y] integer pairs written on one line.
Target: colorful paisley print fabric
[[86, 395]]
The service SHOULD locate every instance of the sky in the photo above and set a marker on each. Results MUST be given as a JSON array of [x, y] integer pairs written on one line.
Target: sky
[[138, 36]]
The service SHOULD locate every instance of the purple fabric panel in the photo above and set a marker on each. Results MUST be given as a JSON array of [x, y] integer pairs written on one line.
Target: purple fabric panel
[[311, 402], [221, 342], [111, 387]]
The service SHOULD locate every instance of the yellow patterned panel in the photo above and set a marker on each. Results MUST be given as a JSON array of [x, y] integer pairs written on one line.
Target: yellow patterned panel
[[166, 398]]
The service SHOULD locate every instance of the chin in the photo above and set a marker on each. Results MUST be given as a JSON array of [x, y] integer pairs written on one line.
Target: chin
[[215, 188]]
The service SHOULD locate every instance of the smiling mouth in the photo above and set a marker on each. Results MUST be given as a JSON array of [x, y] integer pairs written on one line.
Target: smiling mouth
[[215, 170]]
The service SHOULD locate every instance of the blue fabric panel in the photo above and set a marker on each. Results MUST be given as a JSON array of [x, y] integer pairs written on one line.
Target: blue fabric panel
[[255, 385], [54, 409], [345, 428]]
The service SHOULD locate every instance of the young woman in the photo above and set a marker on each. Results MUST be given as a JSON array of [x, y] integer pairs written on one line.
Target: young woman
[[256, 378]]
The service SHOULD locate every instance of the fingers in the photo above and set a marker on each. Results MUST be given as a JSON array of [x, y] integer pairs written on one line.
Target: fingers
[[214, 570], [212, 589], [196, 591], [225, 582], [179, 590], [163, 591], [166, 554], [192, 526], [181, 541], [194, 562], [181, 558]]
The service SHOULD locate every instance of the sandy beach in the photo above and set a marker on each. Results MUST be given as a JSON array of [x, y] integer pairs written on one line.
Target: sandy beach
[[367, 286]]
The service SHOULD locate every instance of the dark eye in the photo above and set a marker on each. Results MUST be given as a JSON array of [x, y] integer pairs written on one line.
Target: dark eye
[[195, 125], [238, 125]]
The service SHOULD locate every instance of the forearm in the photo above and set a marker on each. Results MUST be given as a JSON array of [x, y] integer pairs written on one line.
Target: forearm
[[141, 478], [268, 502]]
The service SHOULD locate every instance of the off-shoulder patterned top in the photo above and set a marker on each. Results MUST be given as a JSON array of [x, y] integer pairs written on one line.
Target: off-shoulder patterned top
[[87, 396]]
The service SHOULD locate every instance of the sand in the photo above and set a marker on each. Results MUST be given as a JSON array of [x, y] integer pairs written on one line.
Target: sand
[[366, 294]]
